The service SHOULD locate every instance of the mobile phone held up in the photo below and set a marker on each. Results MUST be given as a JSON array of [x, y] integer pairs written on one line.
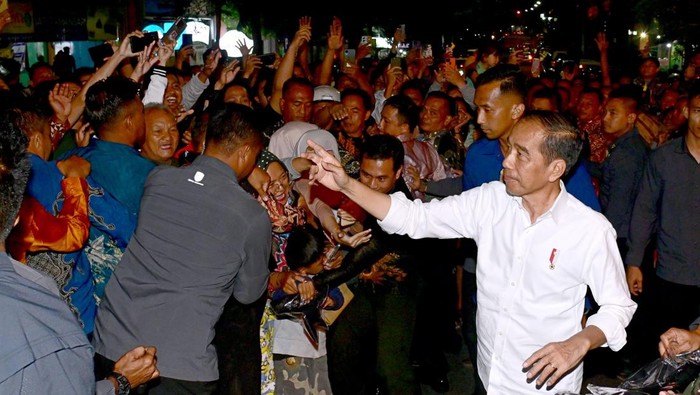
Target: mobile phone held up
[[186, 39], [138, 44], [173, 34], [99, 53], [268, 58]]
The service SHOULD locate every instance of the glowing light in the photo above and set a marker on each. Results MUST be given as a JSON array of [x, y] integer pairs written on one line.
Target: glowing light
[[229, 42], [643, 35]]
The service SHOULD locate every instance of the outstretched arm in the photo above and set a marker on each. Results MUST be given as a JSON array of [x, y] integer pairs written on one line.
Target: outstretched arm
[[328, 171]]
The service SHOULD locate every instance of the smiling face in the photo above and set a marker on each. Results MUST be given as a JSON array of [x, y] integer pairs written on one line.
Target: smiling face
[[279, 186], [161, 135], [173, 94]]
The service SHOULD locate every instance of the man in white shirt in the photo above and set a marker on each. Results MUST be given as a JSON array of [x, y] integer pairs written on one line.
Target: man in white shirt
[[544, 247]]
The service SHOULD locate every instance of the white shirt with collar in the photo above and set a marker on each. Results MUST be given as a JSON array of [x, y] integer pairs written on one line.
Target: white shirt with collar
[[531, 277]]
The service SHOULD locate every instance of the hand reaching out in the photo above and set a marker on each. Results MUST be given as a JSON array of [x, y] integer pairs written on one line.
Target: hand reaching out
[[83, 135], [60, 99], [326, 170], [146, 59], [241, 45], [414, 177], [677, 341], [228, 74]]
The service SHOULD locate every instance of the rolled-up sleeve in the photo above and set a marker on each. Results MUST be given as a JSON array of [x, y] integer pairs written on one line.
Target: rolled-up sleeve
[[606, 278]]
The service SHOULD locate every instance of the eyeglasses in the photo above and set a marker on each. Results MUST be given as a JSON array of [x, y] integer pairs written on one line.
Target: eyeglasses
[[281, 182]]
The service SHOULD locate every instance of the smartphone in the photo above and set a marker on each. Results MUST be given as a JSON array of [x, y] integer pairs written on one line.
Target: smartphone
[[186, 39], [268, 58], [173, 34], [138, 44], [395, 61], [100, 52], [349, 56]]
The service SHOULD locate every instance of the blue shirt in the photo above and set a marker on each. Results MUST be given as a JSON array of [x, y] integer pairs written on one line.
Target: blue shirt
[[81, 275], [484, 162], [119, 168]]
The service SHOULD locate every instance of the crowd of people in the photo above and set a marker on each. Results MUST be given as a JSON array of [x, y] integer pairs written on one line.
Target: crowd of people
[[325, 226]]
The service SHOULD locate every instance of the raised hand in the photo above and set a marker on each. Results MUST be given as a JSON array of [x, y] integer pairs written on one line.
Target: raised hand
[[60, 99], [326, 169], [303, 35], [146, 59], [241, 45], [83, 135], [228, 74], [335, 35], [602, 42]]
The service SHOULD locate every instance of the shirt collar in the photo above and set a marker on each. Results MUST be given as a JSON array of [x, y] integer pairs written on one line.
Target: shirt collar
[[558, 209]]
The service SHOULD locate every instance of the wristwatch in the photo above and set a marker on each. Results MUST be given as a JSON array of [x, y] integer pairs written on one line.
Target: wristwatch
[[123, 382]]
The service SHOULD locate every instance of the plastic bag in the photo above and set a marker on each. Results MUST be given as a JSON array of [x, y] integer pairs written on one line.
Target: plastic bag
[[308, 315], [662, 374]]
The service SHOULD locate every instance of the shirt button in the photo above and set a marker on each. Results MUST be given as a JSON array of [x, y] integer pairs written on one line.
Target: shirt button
[[512, 283], [505, 309], [497, 358], [500, 333]]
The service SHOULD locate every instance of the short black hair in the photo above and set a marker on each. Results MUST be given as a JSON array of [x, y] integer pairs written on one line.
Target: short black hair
[[106, 99], [305, 246], [512, 80], [232, 125], [366, 98], [407, 111], [630, 93], [383, 146], [444, 96], [296, 81]]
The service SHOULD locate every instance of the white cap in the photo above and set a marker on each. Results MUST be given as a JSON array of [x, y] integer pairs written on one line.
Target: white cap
[[327, 93]]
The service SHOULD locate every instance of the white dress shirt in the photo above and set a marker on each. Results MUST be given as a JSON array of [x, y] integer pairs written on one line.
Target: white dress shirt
[[567, 249]]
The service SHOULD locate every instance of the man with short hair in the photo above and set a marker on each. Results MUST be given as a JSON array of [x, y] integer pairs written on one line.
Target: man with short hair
[[200, 239], [531, 294], [621, 171], [589, 118], [399, 119], [373, 337], [113, 108], [665, 206], [44, 349]]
